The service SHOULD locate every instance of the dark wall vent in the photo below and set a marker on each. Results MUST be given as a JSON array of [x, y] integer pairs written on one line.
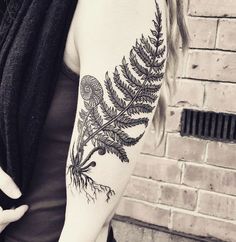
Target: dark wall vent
[[208, 125]]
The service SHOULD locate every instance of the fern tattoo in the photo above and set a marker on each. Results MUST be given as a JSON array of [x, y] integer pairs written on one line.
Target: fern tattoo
[[104, 126]]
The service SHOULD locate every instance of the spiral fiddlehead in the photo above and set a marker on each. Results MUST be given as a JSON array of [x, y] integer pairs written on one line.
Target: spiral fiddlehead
[[105, 125]]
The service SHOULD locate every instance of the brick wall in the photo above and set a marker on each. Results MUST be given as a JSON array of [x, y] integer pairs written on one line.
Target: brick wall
[[188, 184]]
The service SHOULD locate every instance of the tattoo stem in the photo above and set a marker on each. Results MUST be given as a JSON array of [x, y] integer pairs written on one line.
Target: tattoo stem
[[127, 107], [90, 154]]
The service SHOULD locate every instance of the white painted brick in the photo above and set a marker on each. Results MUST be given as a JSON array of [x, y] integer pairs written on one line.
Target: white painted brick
[[142, 189], [178, 196], [222, 154], [220, 97], [202, 32], [210, 178], [156, 168], [217, 205], [204, 226], [144, 212], [173, 119], [221, 8], [150, 143], [185, 148], [211, 65], [189, 93], [227, 34]]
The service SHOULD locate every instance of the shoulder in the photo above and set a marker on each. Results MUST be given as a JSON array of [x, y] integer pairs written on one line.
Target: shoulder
[[109, 28]]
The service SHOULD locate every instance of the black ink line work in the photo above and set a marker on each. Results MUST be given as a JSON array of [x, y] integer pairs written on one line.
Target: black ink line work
[[104, 124]]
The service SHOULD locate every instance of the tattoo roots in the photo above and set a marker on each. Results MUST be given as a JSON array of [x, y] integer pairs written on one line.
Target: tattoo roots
[[104, 126]]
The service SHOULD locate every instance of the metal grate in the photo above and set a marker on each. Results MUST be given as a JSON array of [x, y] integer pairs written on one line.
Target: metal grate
[[208, 125]]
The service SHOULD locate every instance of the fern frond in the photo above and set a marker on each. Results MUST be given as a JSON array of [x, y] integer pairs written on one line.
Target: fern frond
[[153, 41], [136, 66], [155, 77], [139, 108], [88, 130], [159, 64], [82, 114], [124, 88], [109, 112], [161, 51], [154, 33], [95, 118], [151, 88], [147, 60], [125, 121], [147, 46], [116, 101], [131, 79], [120, 136], [146, 97], [112, 147]]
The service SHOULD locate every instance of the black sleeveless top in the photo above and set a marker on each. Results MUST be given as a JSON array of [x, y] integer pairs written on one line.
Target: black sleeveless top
[[46, 196]]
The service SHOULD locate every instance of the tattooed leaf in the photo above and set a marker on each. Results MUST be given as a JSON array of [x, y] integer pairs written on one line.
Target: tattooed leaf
[[124, 88], [95, 118], [82, 114], [159, 65], [146, 97], [117, 102], [140, 108], [131, 91], [151, 88], [120, 136], [142, 54], [139, 69], [153, 41], [155, 77], [125, 121], [154, 33], [147, 46], [160, 52], [108, 112], [130, 78], [112, 147]]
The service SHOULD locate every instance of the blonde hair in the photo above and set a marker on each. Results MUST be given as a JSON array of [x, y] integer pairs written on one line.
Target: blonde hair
[[177, 36]]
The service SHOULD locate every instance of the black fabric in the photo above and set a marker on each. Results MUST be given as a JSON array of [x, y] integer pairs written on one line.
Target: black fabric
[[33, 35], [46, 196], [32, 40]]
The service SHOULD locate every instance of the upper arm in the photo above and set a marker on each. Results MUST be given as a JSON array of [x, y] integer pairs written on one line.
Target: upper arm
[[106, 30], [122, 50]]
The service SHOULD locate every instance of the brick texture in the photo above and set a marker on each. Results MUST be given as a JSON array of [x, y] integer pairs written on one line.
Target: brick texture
[[189, 93], [226, 34], [188, 184], [211, 65], [204, 226], [219, 8], [143, 189], [182, 197], [202, 32], [210, 178], [173, 119], [144, 212], [217, 205], [125, 232], [160, 169], [220, 96], [185, 148], [222, 154]]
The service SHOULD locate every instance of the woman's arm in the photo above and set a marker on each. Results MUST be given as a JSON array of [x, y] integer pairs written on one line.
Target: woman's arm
[[122, 50]]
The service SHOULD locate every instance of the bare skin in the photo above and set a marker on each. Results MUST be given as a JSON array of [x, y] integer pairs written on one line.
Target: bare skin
[[8, 216], [101, 34]]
